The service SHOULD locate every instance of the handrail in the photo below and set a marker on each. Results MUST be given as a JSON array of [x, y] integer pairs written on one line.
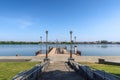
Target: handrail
[[41, 66], [26, 75], [116, 76], [85, 70]]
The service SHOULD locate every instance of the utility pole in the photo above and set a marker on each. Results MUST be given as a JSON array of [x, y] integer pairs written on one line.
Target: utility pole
[[41, 42]]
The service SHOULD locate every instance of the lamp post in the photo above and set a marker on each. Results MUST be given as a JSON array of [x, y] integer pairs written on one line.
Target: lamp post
[[56, 43], [71, 44], [75, 39], [75, 47], [46, 43]]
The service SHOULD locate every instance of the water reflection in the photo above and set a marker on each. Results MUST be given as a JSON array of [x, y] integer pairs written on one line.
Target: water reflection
[[86, 49], [104, 46]]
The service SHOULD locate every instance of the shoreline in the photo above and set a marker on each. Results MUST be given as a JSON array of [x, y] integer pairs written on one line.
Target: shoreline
[[62, 57]]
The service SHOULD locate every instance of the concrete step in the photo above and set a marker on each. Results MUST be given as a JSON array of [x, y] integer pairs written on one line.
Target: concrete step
[[59, 71]]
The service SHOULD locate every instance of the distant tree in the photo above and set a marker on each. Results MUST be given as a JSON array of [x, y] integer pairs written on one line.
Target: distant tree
[[104, 42], [117, 42]]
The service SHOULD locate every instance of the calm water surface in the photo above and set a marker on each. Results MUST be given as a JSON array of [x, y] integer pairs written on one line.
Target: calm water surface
[[86, 49]]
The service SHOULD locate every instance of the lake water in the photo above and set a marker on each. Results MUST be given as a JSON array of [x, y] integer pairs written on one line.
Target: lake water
[[86, 49]]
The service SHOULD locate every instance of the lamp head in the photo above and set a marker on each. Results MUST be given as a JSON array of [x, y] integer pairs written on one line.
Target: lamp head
[[46, 31], [70, 32]]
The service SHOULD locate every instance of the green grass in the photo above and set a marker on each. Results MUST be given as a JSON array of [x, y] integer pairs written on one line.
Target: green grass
[[113, 69], [10, 69]]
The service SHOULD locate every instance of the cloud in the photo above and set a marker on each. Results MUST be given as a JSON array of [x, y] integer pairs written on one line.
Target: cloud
[[16, 22], [25, 24]]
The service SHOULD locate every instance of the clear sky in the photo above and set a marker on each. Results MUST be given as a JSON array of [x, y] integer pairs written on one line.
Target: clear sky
[[90, 20]]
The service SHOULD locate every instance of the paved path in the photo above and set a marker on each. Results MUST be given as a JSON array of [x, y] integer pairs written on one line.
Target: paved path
[[59, 71]]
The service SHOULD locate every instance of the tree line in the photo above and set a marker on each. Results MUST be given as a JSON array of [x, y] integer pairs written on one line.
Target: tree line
[[15, 42], [85, 42]]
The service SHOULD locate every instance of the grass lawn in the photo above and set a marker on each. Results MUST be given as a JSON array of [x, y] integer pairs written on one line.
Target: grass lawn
[[10, 69], [113, 69]]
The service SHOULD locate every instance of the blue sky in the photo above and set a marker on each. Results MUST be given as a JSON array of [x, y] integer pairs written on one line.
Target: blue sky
[[90, 20]]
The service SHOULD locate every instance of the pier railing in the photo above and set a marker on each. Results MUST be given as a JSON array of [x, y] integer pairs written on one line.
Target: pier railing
[[91, 74], [43, 51], [33, 73]]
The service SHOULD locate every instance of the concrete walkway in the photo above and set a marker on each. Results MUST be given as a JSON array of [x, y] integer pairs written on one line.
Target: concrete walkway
[[59, 71], [63, 57]]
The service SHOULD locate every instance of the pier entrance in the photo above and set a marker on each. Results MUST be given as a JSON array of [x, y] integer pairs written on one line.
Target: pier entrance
[[59, 71]]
